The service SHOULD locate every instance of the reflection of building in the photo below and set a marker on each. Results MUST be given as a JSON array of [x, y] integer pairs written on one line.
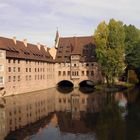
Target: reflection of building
[[2, 122], [25, 109], [28, 108], [77, 112], [26, 67], [77, 102]]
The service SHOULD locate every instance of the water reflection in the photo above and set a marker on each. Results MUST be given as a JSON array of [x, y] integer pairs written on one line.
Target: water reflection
[[64, 89], [54, 115]]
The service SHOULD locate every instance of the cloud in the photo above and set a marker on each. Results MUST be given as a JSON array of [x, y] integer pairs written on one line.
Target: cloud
[[38, 19]]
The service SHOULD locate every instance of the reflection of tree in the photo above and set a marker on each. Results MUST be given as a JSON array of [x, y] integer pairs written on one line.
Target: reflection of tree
[[90, 120], [110, 125], [133, 120]]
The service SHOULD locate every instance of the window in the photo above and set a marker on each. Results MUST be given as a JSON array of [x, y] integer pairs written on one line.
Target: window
[[9, 60], [26, 69], [9, 79], [1, 80], [18, 78], [29, 69], [59, 73], [74, 65], [83, 101], [87, 64], [9, 69], [14, 61], [18, 61], [68, 73], [77, 73], [29, 77], [14, 69], [87, 72], [14, 78], [92, 73], [26, 77], [83, 73], [18, 69], [1, 67], [64, 73], [73, 73]]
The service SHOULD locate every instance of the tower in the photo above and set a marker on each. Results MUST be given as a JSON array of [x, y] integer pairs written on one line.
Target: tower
[[56, 39]]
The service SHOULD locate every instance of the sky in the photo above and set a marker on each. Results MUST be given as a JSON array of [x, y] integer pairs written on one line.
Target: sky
[[38, 20]]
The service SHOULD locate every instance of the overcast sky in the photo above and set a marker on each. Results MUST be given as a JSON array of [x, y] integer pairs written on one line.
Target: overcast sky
[[37, 20]]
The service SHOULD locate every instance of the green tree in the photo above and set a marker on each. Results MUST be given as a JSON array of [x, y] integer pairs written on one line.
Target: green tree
[[133, 59], [132, 48], [132, 36], [109, 40]]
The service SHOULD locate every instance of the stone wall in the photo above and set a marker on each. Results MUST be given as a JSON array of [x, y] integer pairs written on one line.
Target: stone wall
[[26, 76], [86, 71]]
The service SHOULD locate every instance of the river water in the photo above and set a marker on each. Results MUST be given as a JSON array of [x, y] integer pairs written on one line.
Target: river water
[[71, 115]]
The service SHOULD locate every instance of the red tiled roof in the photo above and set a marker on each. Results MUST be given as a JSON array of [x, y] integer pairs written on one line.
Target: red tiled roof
[[20, 51], [83, 46]]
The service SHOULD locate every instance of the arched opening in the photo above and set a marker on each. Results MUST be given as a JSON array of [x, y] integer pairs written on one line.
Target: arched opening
[[65, 86], [86, 86], [87, 83]]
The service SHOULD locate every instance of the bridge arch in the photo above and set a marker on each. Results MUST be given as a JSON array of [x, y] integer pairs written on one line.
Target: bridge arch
[[65, 83], [86, 86], [87, 83], [65, 86]]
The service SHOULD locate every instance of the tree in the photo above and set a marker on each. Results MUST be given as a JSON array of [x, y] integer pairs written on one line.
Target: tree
[[132, 36], [109, 40], [133, 59], [132, 49]]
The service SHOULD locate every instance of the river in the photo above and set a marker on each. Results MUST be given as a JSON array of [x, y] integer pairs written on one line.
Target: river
[[71, 115]]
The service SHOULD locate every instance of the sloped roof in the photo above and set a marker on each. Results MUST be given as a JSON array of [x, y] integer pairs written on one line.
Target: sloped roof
[[20, 51], [83, 46]]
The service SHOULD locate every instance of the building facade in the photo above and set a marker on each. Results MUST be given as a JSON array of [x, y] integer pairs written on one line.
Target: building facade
[[75, 60], [26, 67]]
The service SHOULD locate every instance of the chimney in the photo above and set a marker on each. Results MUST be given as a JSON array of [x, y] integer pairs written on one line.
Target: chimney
[[14, 39], [25, 42], [39, 45], [45, 47], [52, 52]]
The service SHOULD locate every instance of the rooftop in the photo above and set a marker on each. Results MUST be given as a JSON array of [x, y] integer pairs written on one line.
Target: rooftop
[[83, 46], [24, 50]]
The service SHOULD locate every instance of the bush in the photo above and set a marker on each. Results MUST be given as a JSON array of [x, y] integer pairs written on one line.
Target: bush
[[132, 77]]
